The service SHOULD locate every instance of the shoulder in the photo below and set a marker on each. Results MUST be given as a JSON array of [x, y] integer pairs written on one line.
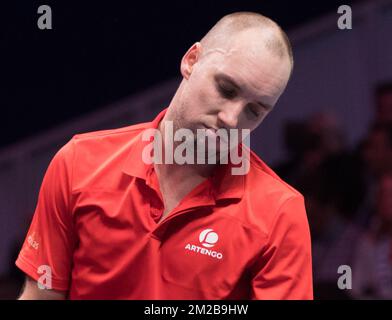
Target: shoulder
[[104, 142], [110, 133], [96, 158], [266, 181], [271, 200]]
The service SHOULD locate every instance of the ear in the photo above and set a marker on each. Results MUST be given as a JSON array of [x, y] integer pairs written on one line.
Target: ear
[[189, 59]]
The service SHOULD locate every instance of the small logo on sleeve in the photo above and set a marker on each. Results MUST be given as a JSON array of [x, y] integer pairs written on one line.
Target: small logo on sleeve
[[31, 240]]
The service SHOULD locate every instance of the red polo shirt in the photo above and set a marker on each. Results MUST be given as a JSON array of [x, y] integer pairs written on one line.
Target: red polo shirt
[[96, 227]]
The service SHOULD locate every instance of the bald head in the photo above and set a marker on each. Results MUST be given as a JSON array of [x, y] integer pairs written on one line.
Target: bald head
[[234, 76], [269, 33]]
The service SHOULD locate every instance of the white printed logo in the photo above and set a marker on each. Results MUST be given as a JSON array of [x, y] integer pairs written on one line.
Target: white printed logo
[[208, 238], [32, 241]]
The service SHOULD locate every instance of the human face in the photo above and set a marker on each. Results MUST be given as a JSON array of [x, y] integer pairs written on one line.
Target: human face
[[231, 87]]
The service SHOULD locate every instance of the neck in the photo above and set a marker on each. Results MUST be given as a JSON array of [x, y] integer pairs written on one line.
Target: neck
[[180, 170]]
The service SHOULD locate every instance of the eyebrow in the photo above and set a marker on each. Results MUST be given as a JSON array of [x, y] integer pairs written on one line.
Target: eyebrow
[[231, 81]]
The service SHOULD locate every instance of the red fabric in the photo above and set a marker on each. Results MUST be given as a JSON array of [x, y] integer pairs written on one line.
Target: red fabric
[[96, 226]]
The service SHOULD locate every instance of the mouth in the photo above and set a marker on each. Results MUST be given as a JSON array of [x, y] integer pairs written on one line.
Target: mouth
[[210, 128], [213, 132]]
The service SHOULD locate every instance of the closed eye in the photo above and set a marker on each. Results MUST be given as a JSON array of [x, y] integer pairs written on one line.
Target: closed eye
[[254, 110], [226, 92]]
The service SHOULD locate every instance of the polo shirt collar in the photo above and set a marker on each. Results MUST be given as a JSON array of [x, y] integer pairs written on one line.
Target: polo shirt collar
[[134, 165], [224, 185]]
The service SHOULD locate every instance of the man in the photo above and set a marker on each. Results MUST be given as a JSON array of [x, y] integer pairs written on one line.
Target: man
[[109, 225]]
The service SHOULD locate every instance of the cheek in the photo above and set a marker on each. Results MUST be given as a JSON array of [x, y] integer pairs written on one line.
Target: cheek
[[248, 123], [204, 97], [195, 105]]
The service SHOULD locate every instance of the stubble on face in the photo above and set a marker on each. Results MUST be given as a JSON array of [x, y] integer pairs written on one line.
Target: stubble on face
[[244, 59]]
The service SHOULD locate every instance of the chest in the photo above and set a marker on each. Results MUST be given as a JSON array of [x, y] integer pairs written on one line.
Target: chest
[[201, 249]]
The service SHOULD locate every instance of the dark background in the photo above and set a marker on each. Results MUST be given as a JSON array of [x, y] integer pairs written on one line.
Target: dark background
[[102, 51]]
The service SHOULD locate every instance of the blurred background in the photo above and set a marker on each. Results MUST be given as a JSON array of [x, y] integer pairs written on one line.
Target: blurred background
[[111, 64]]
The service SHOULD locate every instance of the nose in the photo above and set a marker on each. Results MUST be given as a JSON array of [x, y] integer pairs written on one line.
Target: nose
[[229, 116]]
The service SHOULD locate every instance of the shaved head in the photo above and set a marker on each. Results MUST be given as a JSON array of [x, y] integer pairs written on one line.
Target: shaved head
[[234, 76], [232, 25]]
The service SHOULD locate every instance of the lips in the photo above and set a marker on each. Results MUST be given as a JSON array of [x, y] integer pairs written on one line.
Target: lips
[[211, 128], [212, 131]]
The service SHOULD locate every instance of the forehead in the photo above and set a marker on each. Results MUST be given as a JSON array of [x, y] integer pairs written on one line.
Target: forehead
[[252, 64]]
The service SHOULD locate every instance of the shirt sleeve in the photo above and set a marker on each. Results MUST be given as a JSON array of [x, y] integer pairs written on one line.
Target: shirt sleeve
[[48, 246], [284, 270]]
